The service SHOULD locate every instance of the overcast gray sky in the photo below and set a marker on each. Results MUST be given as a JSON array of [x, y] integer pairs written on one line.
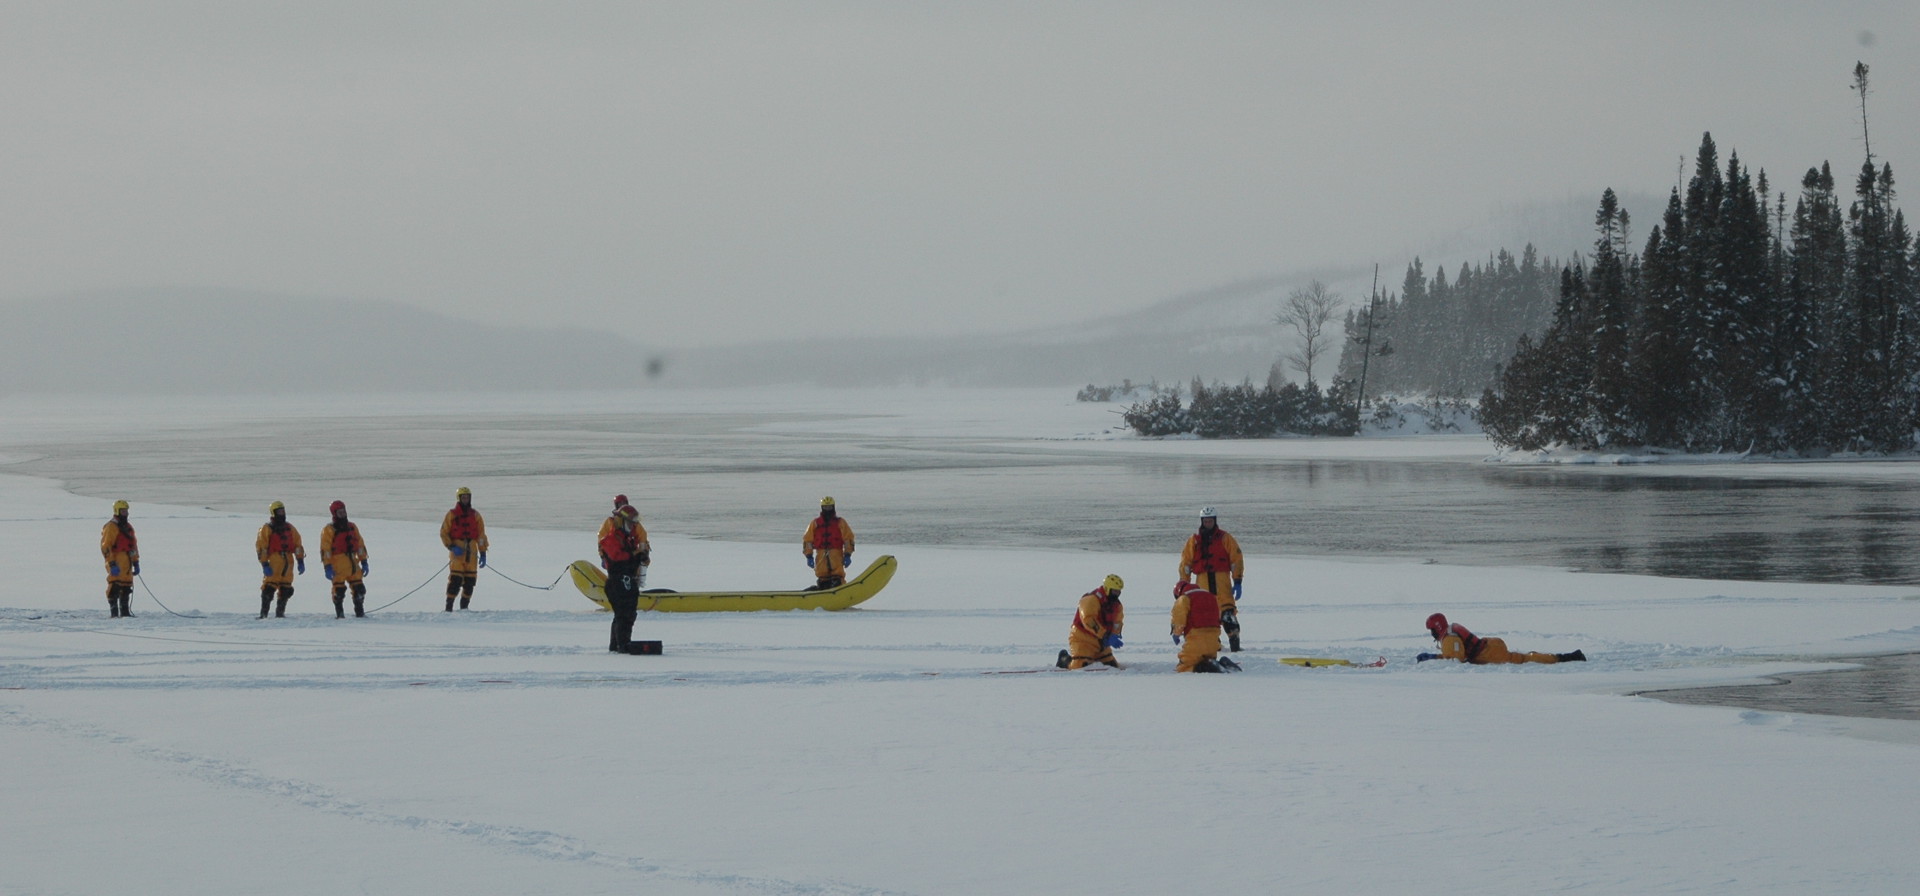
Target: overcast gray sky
[[707, 172]]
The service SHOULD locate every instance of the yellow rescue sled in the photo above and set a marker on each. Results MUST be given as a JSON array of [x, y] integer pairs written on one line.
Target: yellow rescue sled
[[592, 582]]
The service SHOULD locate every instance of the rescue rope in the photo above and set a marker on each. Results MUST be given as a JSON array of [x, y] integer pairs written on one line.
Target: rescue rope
[[156, 599], [556, 579], [430, 580]]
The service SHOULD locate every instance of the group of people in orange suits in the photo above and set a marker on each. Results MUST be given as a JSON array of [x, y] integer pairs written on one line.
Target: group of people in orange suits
[[283, 555], [1206, 604]]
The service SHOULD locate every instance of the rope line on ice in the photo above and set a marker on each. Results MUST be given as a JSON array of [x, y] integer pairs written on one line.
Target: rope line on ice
[[556, 579], [430, 580]]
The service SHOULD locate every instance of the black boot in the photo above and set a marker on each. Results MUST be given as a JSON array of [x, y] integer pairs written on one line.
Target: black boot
[[1064, 659], [464, 598], [113, 605], [1578, 656], [280, 612], [359, 607], [449, 603], [1233, 642], [266, 601], [339, 606], [126, 600]]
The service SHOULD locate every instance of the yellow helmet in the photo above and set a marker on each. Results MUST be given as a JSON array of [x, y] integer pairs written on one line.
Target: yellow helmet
[[1113, 584], [464, 492], [276, 507], [119, 507], [826, 501]]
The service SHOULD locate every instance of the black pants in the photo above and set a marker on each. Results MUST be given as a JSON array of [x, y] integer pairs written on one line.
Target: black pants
[[623, 594]]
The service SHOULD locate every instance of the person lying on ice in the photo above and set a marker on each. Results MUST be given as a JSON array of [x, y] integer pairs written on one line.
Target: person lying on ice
[[1456, 643], [1197, 615], [1095, 632]]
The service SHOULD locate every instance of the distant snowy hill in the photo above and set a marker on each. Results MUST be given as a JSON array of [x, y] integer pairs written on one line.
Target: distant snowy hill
[[1224, 333], [178, 341]]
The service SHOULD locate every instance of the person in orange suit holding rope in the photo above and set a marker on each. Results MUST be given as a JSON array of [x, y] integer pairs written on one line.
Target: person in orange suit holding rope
[[120, 550], [464, 532], [343, 554], [281, 557]]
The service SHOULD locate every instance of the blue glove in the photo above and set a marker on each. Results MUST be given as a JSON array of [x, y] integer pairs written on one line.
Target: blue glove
[[1176, 639], [329, 570], [1113, 641], [113, 569], [266, 569], [136, 566], [1236, 589], [809, 558], [300, 563], [363, 567], [483, 559], [458, 551], [1426, 656]]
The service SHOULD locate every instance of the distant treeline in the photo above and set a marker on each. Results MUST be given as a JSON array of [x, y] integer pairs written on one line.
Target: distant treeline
[[1449, 339], [1736, 327]]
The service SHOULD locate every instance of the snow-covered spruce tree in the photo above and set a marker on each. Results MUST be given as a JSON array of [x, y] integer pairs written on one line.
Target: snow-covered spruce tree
[[1159, 415], [1814, 331]]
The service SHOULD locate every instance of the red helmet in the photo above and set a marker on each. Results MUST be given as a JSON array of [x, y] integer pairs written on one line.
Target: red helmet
[[619, 501], [1437, 625], [337, 508], [1183, 586]]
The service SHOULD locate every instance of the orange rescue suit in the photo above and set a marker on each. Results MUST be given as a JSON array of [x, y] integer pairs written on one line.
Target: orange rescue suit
[[342, 548], [464, 526], [119, 548], [278, 546], [1212, 560], [1196, 617], [1099, 615], [1463, 645], [830, 543]]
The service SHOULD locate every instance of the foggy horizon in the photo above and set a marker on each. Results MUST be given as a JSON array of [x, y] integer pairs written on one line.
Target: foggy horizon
[[704, 174]]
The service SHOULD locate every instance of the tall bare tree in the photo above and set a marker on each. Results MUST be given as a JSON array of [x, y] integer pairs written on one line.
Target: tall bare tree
[[1308, 310]]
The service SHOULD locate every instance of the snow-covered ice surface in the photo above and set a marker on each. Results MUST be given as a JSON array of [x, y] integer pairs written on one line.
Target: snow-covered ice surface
[[879, 750]]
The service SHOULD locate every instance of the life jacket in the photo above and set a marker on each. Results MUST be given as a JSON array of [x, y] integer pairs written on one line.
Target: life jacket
[[279, 538], [620, 545], [123, 543], [346, 538], [1210, 552], [1109, 611], [465, 525], [1203, 609], [1469, 641], [827, 534]]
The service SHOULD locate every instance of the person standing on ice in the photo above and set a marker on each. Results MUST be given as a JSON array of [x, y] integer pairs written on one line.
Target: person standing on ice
[[281, 557], [828, 547], [343, 554], [464, 533], [120, 550], [1196, 627], [1095, 632], [612, 522], [622, 551], [1456, 643], [1212, 560]]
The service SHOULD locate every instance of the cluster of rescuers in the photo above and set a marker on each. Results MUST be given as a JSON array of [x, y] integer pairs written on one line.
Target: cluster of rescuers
[[1205, 605]]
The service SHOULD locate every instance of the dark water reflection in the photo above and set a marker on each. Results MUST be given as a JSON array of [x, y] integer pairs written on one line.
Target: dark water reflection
[[729, 476], [1886, 687]]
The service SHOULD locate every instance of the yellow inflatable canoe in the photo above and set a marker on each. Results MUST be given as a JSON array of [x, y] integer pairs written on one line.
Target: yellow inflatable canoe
[[592, 582]]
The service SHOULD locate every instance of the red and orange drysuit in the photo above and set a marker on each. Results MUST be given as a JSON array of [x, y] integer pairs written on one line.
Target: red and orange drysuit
[[1100, 614], [120, 552], [280, 553], [1196, 624], [1463, 645], [345, 554], [828, 544], [464, 533]]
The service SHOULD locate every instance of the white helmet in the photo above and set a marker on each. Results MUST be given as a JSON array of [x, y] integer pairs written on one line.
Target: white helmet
[[1206, 512]]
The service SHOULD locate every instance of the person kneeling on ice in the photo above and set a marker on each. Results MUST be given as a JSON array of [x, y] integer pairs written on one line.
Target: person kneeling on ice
[[624, 549], [1456, 643], [1197, 614], [1096, 627]]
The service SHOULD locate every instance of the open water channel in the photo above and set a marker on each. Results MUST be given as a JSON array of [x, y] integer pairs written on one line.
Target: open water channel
[[757, 477]]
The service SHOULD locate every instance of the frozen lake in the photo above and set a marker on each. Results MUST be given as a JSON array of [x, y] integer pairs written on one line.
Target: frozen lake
[[751, 466]]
